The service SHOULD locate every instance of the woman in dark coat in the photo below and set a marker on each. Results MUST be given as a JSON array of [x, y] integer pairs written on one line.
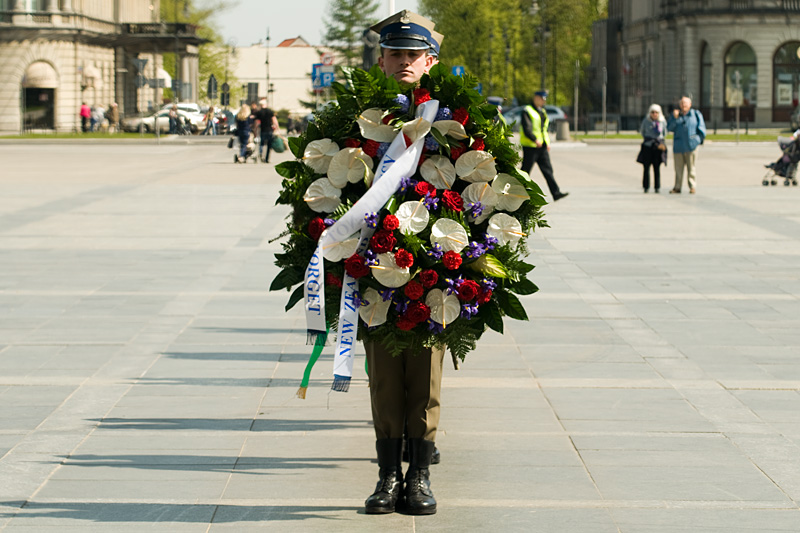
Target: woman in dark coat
[[244, 123], [654, 149]]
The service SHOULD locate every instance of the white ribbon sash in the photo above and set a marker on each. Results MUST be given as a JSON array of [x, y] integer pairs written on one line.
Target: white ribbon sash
[[398, 163]]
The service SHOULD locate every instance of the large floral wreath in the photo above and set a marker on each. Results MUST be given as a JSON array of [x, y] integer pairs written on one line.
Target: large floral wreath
[[445, 256]]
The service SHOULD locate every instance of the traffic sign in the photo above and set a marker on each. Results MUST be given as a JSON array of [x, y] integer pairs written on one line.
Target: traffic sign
[[458, 70], [322, 75], [327, 58], [139, 63], [212, 88], [140, 81]]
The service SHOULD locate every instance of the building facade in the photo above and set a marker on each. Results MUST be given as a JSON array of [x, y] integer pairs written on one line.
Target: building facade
[[723, 54], [57, 54]]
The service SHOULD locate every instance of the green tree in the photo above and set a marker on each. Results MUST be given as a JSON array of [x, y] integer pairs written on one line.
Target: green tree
[[344, 26], [214, 54]]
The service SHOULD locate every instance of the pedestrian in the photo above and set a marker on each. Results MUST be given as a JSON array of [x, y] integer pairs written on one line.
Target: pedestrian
[[85, 114], [689, 130], [244, 124], [113, 118], [173, 119], [269, 126], [535, 141], [405, 389], [211, 125], [99, 117], [654, 149]]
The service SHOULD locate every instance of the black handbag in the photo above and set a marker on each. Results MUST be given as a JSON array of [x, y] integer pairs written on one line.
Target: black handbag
[[642, 157]]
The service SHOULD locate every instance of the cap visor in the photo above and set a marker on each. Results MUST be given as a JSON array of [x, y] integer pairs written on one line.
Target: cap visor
[[405, 44]]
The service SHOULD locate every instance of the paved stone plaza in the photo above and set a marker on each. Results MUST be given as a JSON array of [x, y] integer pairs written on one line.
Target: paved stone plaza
[[148, 377]]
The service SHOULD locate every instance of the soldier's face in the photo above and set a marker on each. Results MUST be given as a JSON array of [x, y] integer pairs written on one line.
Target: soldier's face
[[407, 66]]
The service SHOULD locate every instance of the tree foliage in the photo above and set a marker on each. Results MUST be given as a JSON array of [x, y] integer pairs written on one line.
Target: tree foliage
[[500, 41], [344, 25]]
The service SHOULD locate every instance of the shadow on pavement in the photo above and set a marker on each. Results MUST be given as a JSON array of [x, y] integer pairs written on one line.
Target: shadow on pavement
[[228, 424]]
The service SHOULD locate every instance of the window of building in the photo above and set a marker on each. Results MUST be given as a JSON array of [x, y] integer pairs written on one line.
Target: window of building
[[741, 86], [785, 81]]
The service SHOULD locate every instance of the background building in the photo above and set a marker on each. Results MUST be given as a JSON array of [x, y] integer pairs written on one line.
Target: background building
[[718, 52], [56, 54]]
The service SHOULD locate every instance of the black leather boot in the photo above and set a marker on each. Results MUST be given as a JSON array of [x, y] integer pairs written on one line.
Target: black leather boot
[[390, 485], [436, 458], [419, 498]]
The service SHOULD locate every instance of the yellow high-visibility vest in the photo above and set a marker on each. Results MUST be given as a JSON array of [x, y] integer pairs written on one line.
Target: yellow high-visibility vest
[[539, 128]]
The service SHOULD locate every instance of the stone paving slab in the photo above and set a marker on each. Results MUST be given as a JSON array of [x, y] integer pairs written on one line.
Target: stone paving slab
[[148, 376]]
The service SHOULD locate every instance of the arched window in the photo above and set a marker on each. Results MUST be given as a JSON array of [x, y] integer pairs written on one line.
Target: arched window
[[705, 80], [740, 82], [785, 81]]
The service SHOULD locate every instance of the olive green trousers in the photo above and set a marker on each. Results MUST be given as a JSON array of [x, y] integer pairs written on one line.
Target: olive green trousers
[[405, 389]]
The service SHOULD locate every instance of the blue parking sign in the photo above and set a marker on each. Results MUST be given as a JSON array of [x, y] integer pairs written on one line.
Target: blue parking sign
[[458, 70], [321, 76]]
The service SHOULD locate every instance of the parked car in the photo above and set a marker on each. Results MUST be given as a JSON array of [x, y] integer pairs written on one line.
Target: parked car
[[196, 113], [147, 124], [514, 116]]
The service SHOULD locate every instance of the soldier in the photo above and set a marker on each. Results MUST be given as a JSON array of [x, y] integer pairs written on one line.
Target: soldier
[[535, 142], [405, 389]]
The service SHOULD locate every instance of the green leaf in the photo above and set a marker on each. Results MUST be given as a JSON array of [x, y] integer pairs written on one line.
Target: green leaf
[[492, 315], [296, 296], [286, 278], [289, 169], [441, 139], [296, 145], [511, 305], [489, 265], [524, 286]]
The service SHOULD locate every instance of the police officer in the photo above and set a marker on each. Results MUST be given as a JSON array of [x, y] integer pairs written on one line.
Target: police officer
[[535, 142], [405, 390]]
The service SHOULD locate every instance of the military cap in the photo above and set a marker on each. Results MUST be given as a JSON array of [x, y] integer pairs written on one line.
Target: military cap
[[405, 31], [541, 93], [436, 42]]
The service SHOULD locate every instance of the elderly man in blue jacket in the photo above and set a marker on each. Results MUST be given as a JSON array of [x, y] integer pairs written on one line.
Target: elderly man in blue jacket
[[689, 130]]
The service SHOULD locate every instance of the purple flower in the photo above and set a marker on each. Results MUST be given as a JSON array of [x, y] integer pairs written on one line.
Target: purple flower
[[488, 284], [444, 114], [387, 294], [357, 300], [403, 101], [382, 150], [435, 326], [467, 311], [475, 209], [401, 305], [436, 251], [452, 284], [475, 250], [329, 222], [372, 258], [431, 144], [489, 242], [407, 183], [431, 202], [371, 219]]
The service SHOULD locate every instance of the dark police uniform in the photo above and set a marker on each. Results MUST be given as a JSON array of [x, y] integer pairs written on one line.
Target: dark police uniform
[[404, 390]]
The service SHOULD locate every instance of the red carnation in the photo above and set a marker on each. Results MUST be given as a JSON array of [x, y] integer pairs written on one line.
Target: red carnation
[[388, 118], [453, 200], [423, 187], [316, 227], [352, 143], [451, 260], [417, 312], [421, 95], [405, 324], [484, 296], [403, 259], [456, 151], [429, 278], [478, 145], [332, 279], [391, 223], [461, 115], [414, 290], [382, 242], [371, 148], [356, 266], [468, 290]]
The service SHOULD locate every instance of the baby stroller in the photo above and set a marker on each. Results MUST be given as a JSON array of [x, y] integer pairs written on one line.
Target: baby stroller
[[786, 166], [250, 151]]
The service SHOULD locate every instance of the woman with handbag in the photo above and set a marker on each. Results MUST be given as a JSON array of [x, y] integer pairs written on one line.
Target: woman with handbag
[[654, 149]]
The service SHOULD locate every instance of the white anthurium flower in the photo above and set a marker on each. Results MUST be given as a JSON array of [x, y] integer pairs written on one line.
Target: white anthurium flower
[[452, 128], [318, 154], [476, 166], [413, 217], [449, 234], [370, 122], [350, 165], [374, 312], [445, 308], [388, 273], [416, 129], [511, 194], [336, 251], [438, 171], [322, 196], [505, 228], [479, 193]]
